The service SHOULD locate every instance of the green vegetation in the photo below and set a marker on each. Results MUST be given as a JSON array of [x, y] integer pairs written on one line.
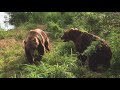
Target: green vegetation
[[61, 62]]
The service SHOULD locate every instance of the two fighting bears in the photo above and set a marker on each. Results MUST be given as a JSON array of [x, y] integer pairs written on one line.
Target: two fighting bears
[[36, 41]]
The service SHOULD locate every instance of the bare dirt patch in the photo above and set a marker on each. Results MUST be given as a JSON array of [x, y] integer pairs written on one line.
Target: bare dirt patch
[[9, 42]]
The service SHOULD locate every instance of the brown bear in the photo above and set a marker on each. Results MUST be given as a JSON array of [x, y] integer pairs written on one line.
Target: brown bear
[[37, 40], [82, 40]]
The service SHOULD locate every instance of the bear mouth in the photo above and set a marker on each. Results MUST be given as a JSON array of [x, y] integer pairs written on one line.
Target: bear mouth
[[65, 40]]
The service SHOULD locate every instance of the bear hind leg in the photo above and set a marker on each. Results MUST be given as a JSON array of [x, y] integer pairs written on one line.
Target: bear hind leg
[[29, 57], [106, 65]]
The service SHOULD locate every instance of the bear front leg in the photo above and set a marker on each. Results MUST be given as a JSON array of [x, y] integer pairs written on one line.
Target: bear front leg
[[29, 56], [106, 64], [92, 64], [41, 52], [82, 58]]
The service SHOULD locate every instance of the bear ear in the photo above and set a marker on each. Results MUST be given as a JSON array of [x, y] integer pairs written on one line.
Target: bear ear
[[71, 28], [36, 40], [70, 33], [24, 41], [74, 32], [76, 29]]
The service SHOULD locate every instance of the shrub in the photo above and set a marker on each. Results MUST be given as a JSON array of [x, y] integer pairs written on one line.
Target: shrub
[[27, 26], [54, 29]]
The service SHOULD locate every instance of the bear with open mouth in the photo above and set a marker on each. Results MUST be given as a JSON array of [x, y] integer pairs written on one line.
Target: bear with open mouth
[[82, 40]]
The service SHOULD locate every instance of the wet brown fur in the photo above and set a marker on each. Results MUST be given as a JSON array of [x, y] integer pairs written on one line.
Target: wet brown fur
[[36, 40], [82, 40]]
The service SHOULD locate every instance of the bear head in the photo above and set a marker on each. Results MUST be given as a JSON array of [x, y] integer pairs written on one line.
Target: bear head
[[70, 34], [31, 44]]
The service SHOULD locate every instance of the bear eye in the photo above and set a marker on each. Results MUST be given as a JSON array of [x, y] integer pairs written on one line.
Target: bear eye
[[34, 40]]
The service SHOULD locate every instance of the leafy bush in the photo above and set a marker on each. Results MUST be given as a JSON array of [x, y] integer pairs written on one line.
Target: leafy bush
[[27, 26], [92, 48], [114, 42], [54, 30]]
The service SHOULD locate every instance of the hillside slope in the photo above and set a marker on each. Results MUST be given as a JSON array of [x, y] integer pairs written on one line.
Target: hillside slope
[[61, 62]]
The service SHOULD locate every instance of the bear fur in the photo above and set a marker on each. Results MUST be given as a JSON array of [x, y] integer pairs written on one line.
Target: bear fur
[[82, 40], [37, 40]]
